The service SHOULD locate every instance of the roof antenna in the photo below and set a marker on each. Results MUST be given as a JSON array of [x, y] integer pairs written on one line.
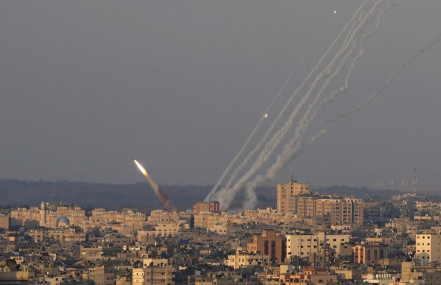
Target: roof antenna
[[292, 176]]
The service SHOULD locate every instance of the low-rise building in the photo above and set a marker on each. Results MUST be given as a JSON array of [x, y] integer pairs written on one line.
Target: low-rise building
[[244, 259], [369, 254]]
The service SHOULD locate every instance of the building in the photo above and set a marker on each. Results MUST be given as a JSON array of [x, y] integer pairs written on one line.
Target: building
[[4, 222], [244, 259], [206, 207], [154, 271], [310, 275], [61, 235], [287, 195], [14, 277], [20, 216], [99, 275], [271, 243], [162, 229], [346, 211], [428, 247], [309, 246], [369, 254], [296, 198]]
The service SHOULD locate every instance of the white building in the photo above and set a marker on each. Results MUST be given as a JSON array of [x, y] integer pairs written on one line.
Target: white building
[[243, 259], [428, 248], [305, 246]]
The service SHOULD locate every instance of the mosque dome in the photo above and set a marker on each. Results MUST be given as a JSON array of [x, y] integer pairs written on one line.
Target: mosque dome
[[62, 222]]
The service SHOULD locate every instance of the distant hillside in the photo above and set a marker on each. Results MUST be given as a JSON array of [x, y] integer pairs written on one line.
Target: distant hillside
[[91, 195], [139, 195]]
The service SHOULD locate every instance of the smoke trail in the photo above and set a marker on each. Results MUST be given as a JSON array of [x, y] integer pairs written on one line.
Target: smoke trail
[[270, 147], [253, 132], [374, 95], [293, 148], [277, 138], [297, 150], [345, 86], [222, 193], [388, 81], [160, 194], [280, 114], [317, 104]]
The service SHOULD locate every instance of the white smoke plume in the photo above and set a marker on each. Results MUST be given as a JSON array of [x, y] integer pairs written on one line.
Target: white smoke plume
[[259, 123], [294, 147], [226, 194], [251, 202]]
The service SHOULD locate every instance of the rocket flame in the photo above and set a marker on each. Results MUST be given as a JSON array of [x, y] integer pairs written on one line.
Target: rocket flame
[[162, 197], [141, 168]]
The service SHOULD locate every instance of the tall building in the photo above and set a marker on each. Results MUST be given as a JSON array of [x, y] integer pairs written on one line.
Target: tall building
[[346, 211], [428, 247], [271, 243], [287, 196], [296, 198]]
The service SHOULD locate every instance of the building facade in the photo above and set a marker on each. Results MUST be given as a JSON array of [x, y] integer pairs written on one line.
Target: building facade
[[271, 243], [428, 247], [370, 254], [287, 195], [306, 246], [206, 207]]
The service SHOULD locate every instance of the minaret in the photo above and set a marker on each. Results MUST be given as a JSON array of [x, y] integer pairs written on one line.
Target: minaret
[[43, 214]]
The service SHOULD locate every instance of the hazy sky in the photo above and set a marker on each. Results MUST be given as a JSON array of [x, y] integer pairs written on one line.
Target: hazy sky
[[85, 86]]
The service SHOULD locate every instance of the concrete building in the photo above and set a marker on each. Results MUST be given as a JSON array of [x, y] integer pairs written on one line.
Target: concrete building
[[271, 243], [297, 199], [287, 195], [428, 248], [306, 246], [244, 259], [4, 222], [61, 235], [14, 277], [99, 275], [369, 254], [162, 229], [310, 275], [206, 207], [346, 211], [154, 271], [20, 216]]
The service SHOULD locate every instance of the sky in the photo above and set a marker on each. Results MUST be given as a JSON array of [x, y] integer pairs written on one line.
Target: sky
[[86, 86]]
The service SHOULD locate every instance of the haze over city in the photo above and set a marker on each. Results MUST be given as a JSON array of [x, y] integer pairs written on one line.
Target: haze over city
[[87, 86], [220, 142]]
